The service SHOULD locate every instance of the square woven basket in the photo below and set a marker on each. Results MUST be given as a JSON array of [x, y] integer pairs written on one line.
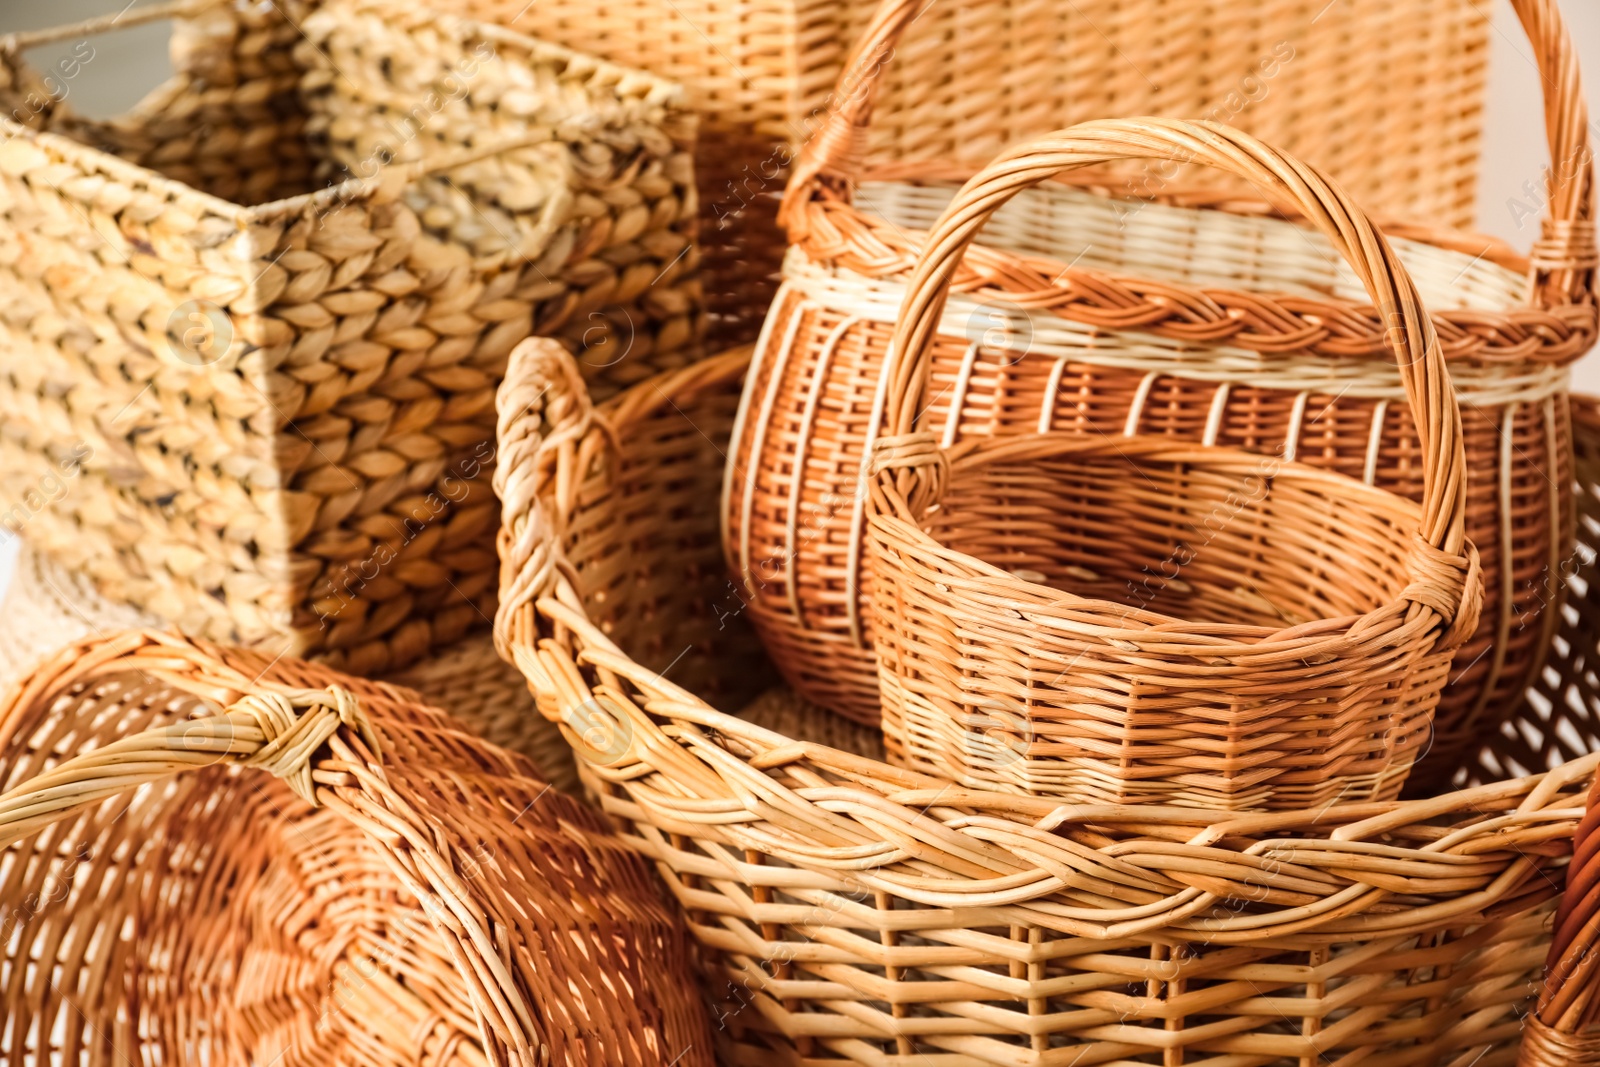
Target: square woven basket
[[1388, 96], [250, 332]]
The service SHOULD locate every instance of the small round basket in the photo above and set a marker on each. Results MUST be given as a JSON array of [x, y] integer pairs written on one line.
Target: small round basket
[[852, 911], [1114, 619], [391, 890]]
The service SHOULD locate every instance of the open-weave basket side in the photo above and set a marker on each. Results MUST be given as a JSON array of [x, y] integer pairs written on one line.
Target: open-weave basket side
[[391, 888], [316, 478], [859, 913]]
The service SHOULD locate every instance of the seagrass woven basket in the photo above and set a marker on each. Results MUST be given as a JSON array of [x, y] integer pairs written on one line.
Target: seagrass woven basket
[[214, 857], [852, 911], [1153, 303], [1137, 620], [46, 607], [250, 332], [974, 77]]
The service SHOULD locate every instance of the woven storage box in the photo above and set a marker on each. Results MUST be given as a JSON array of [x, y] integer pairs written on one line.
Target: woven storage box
[[46, 607], [264, 412], [1136, 620], [392, 890], [974, 77], [1200, 316], [854, 912]]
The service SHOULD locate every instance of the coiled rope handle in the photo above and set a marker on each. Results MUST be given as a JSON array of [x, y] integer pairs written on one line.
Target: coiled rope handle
[[1440, 560], [320, 742], [1563, 262]]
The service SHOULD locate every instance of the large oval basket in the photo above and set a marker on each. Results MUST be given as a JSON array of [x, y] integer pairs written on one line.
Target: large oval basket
[[854, 912]]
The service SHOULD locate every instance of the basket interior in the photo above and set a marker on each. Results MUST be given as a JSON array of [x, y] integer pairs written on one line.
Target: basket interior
[[1252, 542], [266, 107], [1195, 246]]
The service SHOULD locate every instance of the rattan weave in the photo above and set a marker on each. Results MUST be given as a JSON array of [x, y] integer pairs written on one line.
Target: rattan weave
[[259, 405], [1126, 620], [973, 77], [855, 912], [47, 607], [1144, 305], [391, 891]]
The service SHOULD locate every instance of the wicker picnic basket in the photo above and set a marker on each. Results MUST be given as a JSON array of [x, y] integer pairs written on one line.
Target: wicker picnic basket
[[46, 607], [1144, 305], [1136, 620], [262, 408], [392, 890], [975, 77], [852, 911]]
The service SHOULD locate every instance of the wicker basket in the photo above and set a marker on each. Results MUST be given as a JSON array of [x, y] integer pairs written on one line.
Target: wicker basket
[[856, 912], [1200, 317], [396, 892], [46, 607], [266, 413], [974, 77], [1132, 620]]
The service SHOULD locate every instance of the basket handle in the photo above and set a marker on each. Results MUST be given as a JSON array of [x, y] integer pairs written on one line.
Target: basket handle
[[1563, 262], [913, 458], [1563, 1029], [299, 735], [173, 9]]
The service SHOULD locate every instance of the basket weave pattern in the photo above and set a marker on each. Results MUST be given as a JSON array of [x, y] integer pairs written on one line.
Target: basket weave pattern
[[315, 475], [763, 73], [855, 912], [1199, 316], [397, 891], [1124, 620]]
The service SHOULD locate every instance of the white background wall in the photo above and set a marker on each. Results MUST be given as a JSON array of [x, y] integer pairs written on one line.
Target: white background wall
[[129, 62]]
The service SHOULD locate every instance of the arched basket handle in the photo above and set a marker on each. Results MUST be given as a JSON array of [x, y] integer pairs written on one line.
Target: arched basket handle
[[911, 458]]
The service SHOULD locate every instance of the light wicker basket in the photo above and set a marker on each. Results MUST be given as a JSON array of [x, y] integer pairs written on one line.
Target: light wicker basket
[[855, 912], [46, 607], [973, 77], [1202, 317], [397, 891], [1132, 620], [267, 404]]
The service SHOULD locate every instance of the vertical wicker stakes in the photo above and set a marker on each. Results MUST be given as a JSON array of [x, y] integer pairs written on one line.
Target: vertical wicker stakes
[[397, 891], [270, 398], [856, 912], [1134, 620], [975, 76], [1144, 304]]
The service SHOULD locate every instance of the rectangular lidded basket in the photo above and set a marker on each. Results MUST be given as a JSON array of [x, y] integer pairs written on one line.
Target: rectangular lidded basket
[[1387, 96], [250, 333]]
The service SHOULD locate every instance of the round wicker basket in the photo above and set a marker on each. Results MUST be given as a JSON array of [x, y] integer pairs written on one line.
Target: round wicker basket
[[1139, 620], [852, 911], [392, 890]]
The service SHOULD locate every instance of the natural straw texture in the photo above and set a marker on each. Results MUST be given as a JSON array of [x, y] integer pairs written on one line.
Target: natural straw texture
[[854, 912], [263, 412], [1094, 310], [391, 890], [976, 75], [1137, 621], [46, 607]]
